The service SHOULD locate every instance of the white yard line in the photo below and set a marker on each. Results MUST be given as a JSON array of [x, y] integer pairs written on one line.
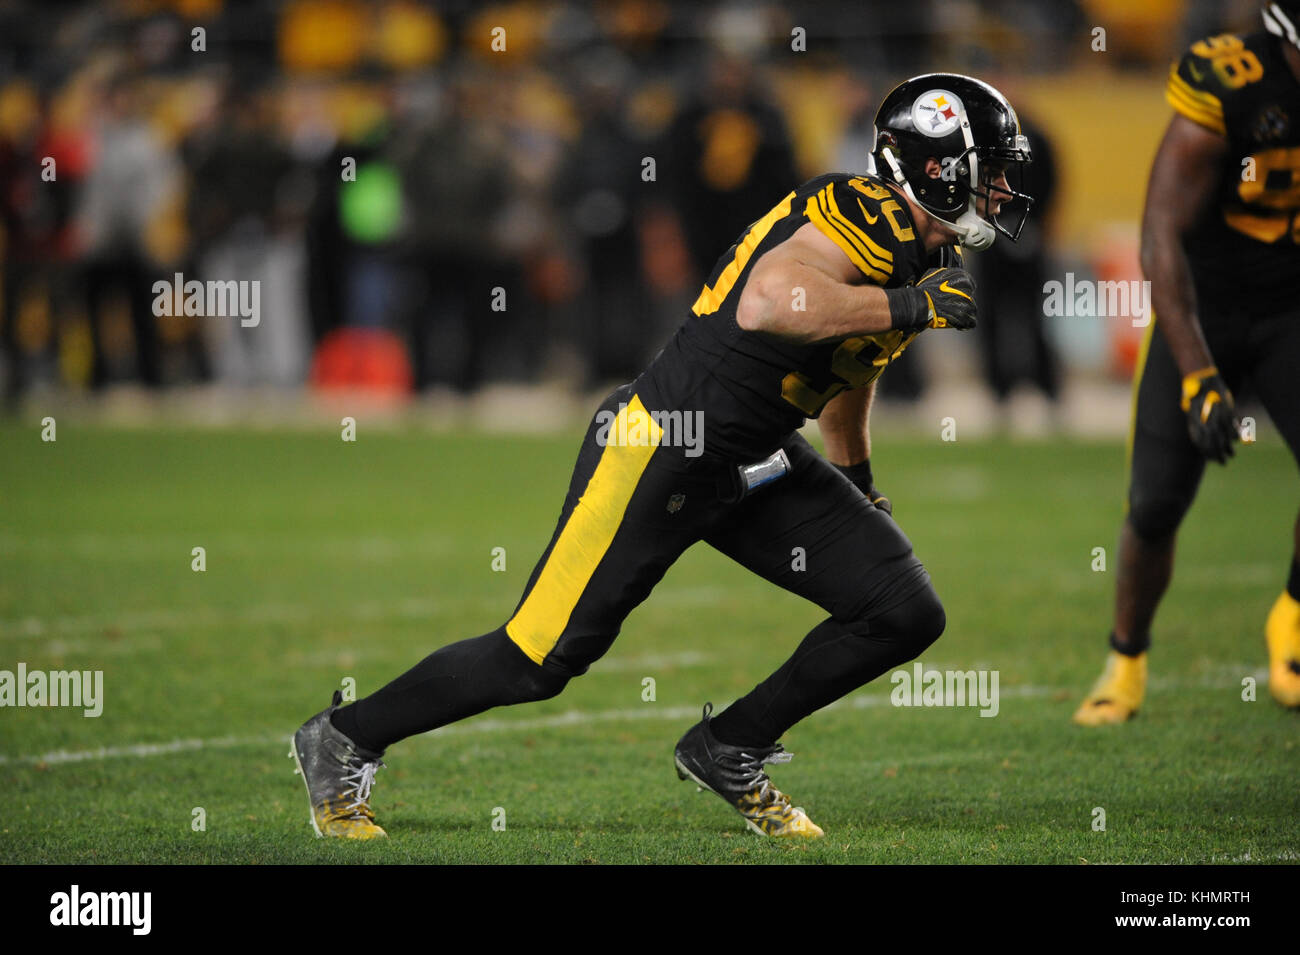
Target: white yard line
[[570, 718]]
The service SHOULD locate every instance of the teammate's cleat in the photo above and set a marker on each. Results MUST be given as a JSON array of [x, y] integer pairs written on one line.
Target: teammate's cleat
[[1283, 634], [338, 774], [736, 774], [1117, 694]]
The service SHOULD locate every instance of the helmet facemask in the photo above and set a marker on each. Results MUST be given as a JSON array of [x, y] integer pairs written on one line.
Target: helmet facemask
[[994, 165]]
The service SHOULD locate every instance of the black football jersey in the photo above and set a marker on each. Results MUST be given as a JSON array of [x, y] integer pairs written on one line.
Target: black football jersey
[[754, 390], [1240, 86]]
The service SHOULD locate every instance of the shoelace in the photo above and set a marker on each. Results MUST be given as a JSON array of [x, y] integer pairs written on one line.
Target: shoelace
[[752, 765], [362, 778]]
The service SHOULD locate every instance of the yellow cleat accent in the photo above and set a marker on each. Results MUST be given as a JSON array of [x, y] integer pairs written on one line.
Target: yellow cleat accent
[[344, 821], [1117, 695], [1282, 631], [769, 813]]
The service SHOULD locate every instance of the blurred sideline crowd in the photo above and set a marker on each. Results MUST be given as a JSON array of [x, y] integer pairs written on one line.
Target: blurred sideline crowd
[[449, 194]]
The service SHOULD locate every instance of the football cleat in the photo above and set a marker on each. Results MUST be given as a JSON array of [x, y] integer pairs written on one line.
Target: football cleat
[[1117, 694], [338, 774], [1283, 634], [736, 774]]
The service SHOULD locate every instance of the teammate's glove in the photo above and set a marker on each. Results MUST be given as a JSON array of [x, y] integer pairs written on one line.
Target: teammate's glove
[[1211, 417], [860, 475], [941, 298]]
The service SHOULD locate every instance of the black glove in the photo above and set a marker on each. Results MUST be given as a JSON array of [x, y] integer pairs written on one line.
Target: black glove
[[1211, 417], [860, 475], [941, 298]]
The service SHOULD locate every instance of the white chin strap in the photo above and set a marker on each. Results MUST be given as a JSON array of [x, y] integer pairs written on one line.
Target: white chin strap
[[1279, 24], [974, 231]]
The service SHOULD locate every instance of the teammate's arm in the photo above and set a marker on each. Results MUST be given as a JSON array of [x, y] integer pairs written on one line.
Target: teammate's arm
[[1184, 182]]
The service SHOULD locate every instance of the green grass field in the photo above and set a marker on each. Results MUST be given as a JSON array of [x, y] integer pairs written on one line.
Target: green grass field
[[328, 560]]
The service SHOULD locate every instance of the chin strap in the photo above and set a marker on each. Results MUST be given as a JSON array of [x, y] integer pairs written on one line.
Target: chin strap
[[974, 231]]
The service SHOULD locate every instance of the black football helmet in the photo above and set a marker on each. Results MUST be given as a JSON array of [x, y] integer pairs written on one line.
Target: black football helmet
[[1282, 18], [974, 134]]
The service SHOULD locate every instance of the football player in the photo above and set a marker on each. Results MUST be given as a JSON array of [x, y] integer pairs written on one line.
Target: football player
[[1219, 238], [797, 320]]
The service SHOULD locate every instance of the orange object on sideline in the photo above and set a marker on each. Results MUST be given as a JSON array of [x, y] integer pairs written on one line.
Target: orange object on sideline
[[367, 359]]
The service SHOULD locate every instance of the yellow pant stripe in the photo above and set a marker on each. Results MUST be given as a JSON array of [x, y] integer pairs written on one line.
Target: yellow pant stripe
[[587, 534]]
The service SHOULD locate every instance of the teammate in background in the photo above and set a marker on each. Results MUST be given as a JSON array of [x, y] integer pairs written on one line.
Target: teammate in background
[[1219, 246], [797, 320]]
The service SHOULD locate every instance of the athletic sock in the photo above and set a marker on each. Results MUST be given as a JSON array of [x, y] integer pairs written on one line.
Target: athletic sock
[[450, 684], [1133, 647]]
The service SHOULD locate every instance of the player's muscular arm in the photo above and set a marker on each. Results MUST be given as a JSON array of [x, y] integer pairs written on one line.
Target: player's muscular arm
[[845, 433], [1184, 182], [837, 302]]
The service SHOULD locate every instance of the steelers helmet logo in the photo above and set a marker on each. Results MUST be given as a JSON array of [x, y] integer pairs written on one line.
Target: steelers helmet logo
[[936, 113]]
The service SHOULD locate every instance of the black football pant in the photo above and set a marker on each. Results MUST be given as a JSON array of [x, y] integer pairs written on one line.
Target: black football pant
[[1259, 354], [633, 507]]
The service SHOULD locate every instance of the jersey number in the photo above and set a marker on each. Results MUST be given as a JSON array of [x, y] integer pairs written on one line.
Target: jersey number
[[853, 362], [1276, 183], [1233, 64]]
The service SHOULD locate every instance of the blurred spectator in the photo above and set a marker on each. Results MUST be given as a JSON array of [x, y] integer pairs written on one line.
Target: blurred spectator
[[599, 189], [133, 182], [40, 167], [454, 174], [728, 159], [245, 221]]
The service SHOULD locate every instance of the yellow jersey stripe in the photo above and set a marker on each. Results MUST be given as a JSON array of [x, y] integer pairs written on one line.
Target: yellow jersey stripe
[[833, 232], [711, 298], [1202, 117], [884, 255], [1201, 108], [1201, 96], [587, 534]]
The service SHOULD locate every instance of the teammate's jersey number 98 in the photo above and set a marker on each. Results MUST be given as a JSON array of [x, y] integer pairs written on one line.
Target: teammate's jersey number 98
[[1233, 64]]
